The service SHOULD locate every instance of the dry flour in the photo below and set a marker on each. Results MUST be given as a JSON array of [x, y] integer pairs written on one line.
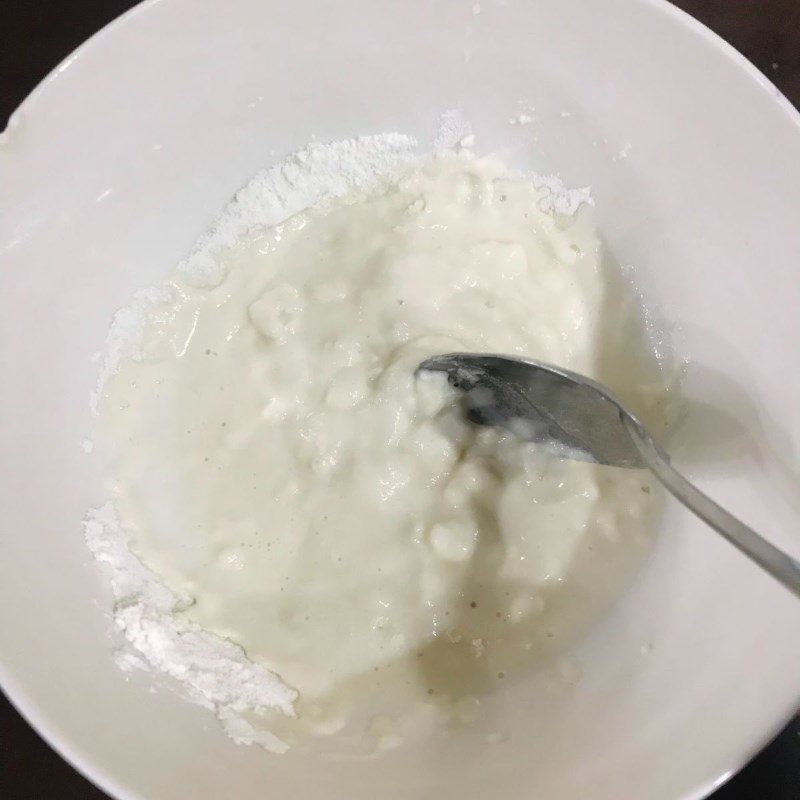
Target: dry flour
[[213, 671]]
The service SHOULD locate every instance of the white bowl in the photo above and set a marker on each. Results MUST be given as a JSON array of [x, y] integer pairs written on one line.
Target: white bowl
[[114, 165]]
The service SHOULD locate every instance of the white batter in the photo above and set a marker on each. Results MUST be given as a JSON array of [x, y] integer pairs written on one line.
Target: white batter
[[277, 461]]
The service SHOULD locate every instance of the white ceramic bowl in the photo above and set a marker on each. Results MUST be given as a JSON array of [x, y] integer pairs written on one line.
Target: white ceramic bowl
[[118, 160]]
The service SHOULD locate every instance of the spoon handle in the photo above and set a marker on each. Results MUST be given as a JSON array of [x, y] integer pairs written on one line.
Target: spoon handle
[[775, 561]]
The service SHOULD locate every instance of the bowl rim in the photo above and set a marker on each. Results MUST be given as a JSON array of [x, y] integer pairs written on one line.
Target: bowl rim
[[37, 717]]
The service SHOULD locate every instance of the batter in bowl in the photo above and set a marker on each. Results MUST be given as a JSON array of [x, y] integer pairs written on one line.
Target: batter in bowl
[[277, 463]]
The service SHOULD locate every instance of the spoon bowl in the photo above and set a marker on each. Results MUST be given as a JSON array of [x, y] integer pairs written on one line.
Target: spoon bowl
[[578, 418], [570, 414]]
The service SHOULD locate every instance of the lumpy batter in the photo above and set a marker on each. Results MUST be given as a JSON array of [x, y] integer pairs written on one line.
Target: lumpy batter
[[277, 461]]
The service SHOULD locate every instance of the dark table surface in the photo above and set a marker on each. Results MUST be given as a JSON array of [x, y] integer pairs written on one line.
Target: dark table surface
[[35, 36]]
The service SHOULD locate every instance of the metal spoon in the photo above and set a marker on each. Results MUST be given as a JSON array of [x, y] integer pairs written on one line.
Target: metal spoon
[[580, 419]]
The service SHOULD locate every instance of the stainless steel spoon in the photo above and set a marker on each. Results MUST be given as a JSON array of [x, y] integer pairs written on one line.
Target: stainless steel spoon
[[581, 419]]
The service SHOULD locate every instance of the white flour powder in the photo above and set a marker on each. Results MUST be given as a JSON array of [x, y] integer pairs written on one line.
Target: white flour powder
[[305, 178], [213, 671], [273, 195]]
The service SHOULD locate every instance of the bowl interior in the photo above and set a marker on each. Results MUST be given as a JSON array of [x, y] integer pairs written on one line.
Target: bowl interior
[[116, 163]]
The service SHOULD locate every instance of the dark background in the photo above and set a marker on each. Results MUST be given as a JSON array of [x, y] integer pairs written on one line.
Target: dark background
[[35, 36]]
